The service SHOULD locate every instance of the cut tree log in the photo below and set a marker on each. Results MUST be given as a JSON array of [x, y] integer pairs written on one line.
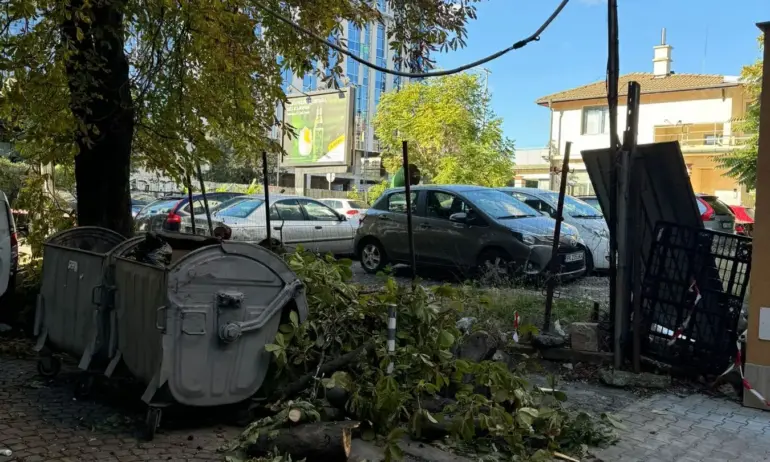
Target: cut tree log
[[322, 441], [326, 369]]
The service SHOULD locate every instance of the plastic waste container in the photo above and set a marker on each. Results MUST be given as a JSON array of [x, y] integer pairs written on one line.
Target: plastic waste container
[[68, 315], [195, 331]]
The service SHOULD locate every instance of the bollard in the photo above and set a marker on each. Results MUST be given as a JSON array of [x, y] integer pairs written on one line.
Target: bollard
[[391, 335]]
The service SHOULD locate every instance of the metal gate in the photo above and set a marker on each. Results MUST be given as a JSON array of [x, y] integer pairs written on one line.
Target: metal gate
[[692, 295]]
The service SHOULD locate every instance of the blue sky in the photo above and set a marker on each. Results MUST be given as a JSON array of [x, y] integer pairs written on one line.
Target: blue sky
[[573, 51]]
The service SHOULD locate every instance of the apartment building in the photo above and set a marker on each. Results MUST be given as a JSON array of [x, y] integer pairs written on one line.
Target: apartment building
[[369, 42], [700, 111]]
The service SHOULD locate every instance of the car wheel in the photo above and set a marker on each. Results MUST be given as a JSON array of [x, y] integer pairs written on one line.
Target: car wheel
[[373, 258], [494, 262]]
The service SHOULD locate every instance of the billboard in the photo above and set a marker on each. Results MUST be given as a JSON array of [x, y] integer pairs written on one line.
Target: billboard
[[323, 129]]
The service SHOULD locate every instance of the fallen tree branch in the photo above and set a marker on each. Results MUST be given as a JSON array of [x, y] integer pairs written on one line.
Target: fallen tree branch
[[334, 365], [329, 441]]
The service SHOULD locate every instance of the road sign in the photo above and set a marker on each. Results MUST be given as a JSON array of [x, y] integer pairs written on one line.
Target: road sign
[[330, 177]]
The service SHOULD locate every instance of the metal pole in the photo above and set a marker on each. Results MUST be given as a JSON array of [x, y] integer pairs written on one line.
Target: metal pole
[[280, 154], [205, 200], [612, 102], [267, 200], [408, 190], [189, 197], [554, 261], [391, 337], [634, 217]]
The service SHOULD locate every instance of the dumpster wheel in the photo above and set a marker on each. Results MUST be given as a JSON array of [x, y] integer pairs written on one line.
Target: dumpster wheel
[[152, 422], [84, 386], [48, 366]]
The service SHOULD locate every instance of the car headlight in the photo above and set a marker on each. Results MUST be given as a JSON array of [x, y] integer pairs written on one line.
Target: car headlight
[[601, 232]]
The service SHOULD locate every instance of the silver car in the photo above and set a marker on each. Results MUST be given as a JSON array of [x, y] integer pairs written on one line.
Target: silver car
[[294, 220], [716, 215]]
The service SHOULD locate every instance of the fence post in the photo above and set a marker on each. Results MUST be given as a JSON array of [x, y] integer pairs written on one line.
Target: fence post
[[391, 336]]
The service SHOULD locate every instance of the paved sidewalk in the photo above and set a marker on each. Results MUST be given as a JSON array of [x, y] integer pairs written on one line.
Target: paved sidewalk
[[40, 421], [669, 428]]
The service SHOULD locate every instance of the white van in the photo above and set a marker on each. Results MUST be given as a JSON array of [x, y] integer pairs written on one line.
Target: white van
[[9, 248]]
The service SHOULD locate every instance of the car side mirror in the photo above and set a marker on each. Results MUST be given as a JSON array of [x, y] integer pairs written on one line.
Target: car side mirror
[[343, 218], [459, 217]]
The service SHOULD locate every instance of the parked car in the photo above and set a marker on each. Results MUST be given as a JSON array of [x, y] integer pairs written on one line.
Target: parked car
[[166, 213], [349, 207], [744, 220], [9, 249], [137, 205], [587, 219], [716, 215], [466, 227], [593, 201], [294, 220]]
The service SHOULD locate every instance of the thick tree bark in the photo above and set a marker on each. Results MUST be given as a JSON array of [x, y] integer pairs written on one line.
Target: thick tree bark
[[327, 442], [100, 99]]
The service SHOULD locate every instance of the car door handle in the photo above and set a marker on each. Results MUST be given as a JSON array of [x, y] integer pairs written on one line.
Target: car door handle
[[319, 227], [277, 228]]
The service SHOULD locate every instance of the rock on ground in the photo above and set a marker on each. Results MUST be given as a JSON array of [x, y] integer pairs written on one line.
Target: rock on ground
[[584, 336]]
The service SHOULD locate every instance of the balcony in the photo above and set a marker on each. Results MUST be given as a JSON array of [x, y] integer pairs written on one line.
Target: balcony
[[701, 138]]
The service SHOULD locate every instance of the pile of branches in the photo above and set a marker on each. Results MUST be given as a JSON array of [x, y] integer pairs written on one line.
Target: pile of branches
[[331, 380]]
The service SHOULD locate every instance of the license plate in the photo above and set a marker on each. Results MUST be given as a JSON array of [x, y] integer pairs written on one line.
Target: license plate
[[572, 257], [727, 225]]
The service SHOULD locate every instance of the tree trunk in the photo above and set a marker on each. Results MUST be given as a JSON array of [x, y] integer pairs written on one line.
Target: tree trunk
[[100, 100], [327, 442]]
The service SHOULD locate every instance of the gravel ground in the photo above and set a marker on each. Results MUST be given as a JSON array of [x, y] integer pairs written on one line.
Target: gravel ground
[[594, 288]]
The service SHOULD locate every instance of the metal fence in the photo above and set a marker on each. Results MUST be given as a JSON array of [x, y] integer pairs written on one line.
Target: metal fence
[[694, 284]]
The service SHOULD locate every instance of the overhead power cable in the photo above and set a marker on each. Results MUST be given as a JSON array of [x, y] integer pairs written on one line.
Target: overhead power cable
[[520, 44]]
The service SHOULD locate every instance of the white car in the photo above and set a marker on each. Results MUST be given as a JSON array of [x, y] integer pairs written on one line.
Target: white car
[[351, 208], [9, 247], [587, 219]]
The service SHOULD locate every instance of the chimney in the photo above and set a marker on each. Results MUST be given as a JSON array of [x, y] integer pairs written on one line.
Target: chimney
[[661, 62]]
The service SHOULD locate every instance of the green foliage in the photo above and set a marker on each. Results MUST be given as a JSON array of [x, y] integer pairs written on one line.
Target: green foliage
[[741, 164], [512, 417], [376, 191], [255, 187], [453, 135], [200, 76], [12, 178], [46, 213]]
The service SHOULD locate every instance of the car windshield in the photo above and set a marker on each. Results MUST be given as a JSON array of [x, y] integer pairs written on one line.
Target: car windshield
[[574, 207], [240, 209], [225, 204], [160, 206], [138, 202], [500, 205], [357, 205]]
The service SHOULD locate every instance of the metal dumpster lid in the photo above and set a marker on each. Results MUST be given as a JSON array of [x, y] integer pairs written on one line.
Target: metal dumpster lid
[[90, 238]]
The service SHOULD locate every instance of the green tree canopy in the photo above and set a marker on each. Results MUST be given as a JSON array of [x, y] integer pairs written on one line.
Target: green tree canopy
[[104, 83], [741, 164], [453, 135]]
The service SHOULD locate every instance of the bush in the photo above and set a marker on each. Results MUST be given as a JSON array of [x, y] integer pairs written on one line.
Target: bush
[[12, 176]]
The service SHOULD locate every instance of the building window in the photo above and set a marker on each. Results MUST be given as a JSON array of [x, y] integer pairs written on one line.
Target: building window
[[286, 76], [310, 81], [531, 183], [596, 120], [382, 5], [712, 140], [379, 77]]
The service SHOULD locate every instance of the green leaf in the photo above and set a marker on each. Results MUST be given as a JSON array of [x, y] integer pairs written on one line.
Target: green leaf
[[273, 348], [294, 318], [446, 339]]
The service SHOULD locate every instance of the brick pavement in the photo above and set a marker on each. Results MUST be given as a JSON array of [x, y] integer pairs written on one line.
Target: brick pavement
[[671, 428], [40, 421]]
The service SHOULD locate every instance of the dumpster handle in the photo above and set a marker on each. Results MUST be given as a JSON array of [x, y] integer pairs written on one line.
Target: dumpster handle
[[157, 324], [96, 300], [231, 331]]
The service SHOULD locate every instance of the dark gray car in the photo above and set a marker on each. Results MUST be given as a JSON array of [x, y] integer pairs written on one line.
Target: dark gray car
[[716, 215], [465, 227]]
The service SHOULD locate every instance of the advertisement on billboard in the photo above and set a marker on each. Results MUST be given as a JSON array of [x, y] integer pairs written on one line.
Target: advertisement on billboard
[[323, 128]]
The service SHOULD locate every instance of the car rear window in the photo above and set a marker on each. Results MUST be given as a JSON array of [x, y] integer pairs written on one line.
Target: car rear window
[[720, 208], [357, 205], [162, 206], [240, 209], [701, 207]]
